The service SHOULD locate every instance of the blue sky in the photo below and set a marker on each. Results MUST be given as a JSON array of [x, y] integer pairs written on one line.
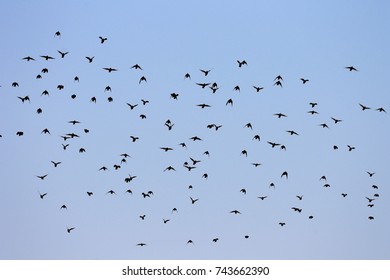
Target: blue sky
[[294, 39]]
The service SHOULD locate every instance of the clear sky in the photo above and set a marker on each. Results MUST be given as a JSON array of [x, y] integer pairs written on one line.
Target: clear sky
[[313, 40]]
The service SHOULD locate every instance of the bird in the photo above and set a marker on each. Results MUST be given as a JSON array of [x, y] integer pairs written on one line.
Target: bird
[[62, 53], [42, 195], [169, 168], [166, 149], [89, 193], [282, 224], [107, 88], [284, 174], [90, 58], [351, 68], [235, 212], [63, 207], [111, 192], [229, 102], [300, 197], [203, 105], [215, 240], [190, 242], [20, 133], [132, 106], [134, 138], [244, 152], [166, 221], [103, 168], [248, 125], [336, 120], [194, 161], [279, 115], [45, 70], [205, 72], [256, 137], [174, 95], [28, 58], [25, 98], [236, 88], [278, 83], [142, 217], [304, 81], [313, 104], [241, 63], [370, 173], [350, 148], [141, 244], [144, 102], [57, 34], [194, 200], [313, 112], [299, 210], [70, 229], [370, 217], [15, 84], [56, 163], [129, 191], [344, 194], [136, 66], [65, 146], [142, 79], [74, 122], [375, 187], [381, 109], [258, 88], [102, 39], [262, 197], [364, 107], [292, 132], [203, 85], [323, 178], [324, 125], [47, 57], [256, 164], [45, 131], [42, 177], [370, 199], [109, 69], [195, 138], [187, 76], [243, 191], [273, 144]]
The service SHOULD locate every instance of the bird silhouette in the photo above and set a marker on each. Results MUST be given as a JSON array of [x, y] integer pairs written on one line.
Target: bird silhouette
[[42, 195], [243, 191], [364, 107], [215, 240], [194, 200], [63, 207], [257, 88], [56, 163], [229, 102], [109, 69], [304, 81], [262, 197], [203, 85], [205, 72], [351, 68], [166, 221], [370, 173], [89, 193], [241, 63], [282, 224], [90, 58], [381, 109], [279, 115], [203, 106], [111, 192], [62, 53], [102, 39], [187, 76], [28, 58], [141, 244], [235, 212], [350, 148], [42, 177], [336, 120], [142, 79], [47, 57], [299, 210], [136, 66], [284, 174], [70, 229], [292, 132], [300, 197]]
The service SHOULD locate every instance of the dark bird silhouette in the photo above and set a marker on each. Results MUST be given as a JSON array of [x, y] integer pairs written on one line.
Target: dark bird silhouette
[[299, 210], [313, 104], [236, 88], [292, 132], [187, 76], [248, 125], [370, 174], [230, 101], [243, 191], [279, 115], [93, 99], [39, 111], [344, 194], [370, 205], [350, 148], [166, 149], [244, 152], [82, 150], [90, 59], [166, 221], [380, 110], [174, 95], [278, 83], [15, 84], [144, 102], [57, 34], [190, 242], [45, 92], [28, 58], [39, 76], [351, 68], [324, 125], [215, 240], [278, 78], [326, 186], [89, 193], [110, 192], [262, 197], [62, 53], [141, 244], [132, 106], [256, 137], [255, 164], [174, 210], [300, 197], [194, 161], [375, 187], [336, 120], [205, 72], [169, 168], [136, 66], [42, 195], [370, 199], [70, 229], [134, 138], [102, 40], [304, 81], [42, 177], [194, 200], [23, 99], [142, 217], [323, 178], [45, 131], [257, 88], [241, 63], [65, 146], [45, 70], [203, 106], [282, 224], [284, 174], [109, 69], [142, 116], [103, 168], [235, 212], [20, 133], [313, 112], [142, 79], [195, 138], [56, 163], [129, 191], [60, 87], [47, 57], [273, 144], [371, 218], [364, 107], [203, 85], [335, 147], [63, 207]]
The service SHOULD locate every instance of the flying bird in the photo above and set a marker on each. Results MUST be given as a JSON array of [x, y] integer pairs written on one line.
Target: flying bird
[[351, 68], [102, 40], [241, 63]]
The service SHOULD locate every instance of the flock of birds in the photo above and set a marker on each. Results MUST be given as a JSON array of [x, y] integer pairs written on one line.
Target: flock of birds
[[192, 162]]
